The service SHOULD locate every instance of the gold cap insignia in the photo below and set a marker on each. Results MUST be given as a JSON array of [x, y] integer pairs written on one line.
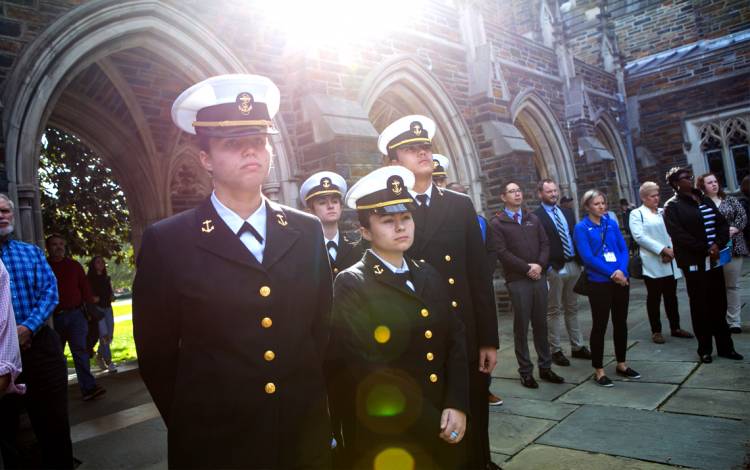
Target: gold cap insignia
[[207, 226], [396, 184], [416, 128], [245, 102], [377, 269], [326, 182], [281, 220]]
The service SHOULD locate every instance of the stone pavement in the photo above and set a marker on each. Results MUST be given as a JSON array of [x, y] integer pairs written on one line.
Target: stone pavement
[[680, 414]]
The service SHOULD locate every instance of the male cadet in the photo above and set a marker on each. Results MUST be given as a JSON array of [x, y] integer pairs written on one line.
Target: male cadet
[[231, 300], [562, 273], [448, 237], [440, 164], [321, 194]]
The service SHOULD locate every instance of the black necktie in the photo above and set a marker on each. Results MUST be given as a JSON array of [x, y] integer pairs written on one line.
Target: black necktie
[[246, 227], [329, 245], [420, 214], [403, 277]]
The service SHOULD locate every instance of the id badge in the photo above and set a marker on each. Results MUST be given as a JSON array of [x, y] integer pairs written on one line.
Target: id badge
[[610, 257]]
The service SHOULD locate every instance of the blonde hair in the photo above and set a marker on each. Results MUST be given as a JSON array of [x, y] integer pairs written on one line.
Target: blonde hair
[[589, 195], [646, 188]]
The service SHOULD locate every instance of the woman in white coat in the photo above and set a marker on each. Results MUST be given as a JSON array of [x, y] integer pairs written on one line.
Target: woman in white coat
[[660, 272]]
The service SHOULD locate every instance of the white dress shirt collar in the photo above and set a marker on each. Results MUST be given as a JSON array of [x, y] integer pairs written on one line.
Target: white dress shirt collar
[[257, 219], [427, 193]]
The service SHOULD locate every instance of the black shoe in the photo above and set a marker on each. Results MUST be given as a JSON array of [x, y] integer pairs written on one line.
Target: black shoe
[[680, 333], [560, 359], [603, 381], [735, 330], [529, 382], [93, 393], [629, 373], [706, 359], [734, 355], [550, 376], [493, 466], [582, 353]]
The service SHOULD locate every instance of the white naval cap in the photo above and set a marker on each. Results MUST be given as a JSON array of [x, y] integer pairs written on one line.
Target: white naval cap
[[412, 129], [440, 165], [321, 184], [384, 191], [230, 105]]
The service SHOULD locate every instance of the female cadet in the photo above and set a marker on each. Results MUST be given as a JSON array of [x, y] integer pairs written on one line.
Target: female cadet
[[403, 351]]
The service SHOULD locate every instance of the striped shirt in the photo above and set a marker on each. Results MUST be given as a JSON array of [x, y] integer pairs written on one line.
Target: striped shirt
[[33, 286], [709, 223], [10, 355]]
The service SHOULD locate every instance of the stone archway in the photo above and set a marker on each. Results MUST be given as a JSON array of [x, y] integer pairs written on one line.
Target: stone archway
[[540, 128], [402, 86], [607, 132], [90, 34]]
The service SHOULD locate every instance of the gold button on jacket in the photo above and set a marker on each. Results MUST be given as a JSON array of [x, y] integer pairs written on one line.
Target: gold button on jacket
[[265, 291], [433, 378], [269, 356], [270, 388], [424, 312], [428, 334], [266, 322]]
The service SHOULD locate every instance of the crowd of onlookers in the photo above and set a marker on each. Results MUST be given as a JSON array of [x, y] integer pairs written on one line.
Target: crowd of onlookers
[[548, 259]]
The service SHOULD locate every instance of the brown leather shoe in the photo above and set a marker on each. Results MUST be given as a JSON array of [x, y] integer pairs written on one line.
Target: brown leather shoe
[[680, 333], [495, 400], [658, 338]]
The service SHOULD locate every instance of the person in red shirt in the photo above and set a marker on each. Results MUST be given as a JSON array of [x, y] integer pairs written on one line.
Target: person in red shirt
[[69, 319]]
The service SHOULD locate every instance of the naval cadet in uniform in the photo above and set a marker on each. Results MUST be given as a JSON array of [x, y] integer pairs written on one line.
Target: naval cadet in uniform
[[447, 236], [402, 345], [322, 193], [440, 164], [231, 302]]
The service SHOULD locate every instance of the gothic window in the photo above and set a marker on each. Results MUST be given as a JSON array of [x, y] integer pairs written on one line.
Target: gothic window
[[725, 145]]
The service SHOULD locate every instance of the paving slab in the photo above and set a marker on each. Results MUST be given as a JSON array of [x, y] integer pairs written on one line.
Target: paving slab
[[654, 371], [722, 375], [506, 388], [675, 349], [510, 433], [498, 458], [578, 371], [694, 441], [701, 401], [138, 446], [535, 408], [536, 456], [641, 395]]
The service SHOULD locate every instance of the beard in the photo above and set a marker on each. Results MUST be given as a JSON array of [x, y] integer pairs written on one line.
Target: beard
[[5, 231]]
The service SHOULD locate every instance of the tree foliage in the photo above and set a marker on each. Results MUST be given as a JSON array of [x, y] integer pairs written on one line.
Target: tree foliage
[[81, 200]]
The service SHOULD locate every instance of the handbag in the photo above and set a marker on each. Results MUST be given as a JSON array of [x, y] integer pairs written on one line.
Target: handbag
[[583, 286], [635, 264]]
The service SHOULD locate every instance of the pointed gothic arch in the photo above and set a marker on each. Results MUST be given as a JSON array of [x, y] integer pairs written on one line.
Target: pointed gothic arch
[[542, 131], [83, 36], [607, 132], [403, 86]]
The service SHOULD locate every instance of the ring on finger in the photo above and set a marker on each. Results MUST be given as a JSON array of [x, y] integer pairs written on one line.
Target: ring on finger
[[454, 435]]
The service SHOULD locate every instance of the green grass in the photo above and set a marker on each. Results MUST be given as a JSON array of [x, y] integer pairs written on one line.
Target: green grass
[[123, 346]]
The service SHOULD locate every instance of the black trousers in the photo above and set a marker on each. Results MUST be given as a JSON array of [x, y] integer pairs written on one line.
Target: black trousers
[[46, 401], [608, 297], [665, 287], [708, 307], [477, 439]]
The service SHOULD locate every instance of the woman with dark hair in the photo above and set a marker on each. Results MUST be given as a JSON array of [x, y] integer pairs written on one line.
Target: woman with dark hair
[[735, 214], [604, 254], [699, 231], [102, 287], [403, 391]]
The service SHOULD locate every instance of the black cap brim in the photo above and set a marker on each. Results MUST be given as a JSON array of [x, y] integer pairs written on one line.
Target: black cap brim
[[235, 131]]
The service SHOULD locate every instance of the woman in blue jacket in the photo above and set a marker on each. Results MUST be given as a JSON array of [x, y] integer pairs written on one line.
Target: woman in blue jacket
[[605, 256]]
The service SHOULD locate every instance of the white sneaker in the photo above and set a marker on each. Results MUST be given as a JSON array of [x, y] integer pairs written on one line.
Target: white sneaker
[[112, 367]]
